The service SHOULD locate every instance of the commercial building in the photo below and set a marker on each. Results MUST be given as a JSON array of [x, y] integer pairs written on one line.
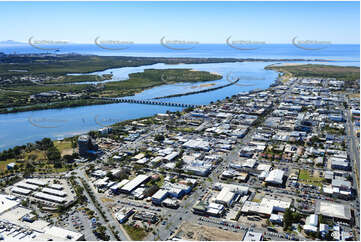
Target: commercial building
[[334, 211], [253, 236], [197, 144], [20, 191], [275, 177], [311, 224], [266, 207], [116, 187], [133, 184], [225, 197], [123, 214], [56, 187], [48, 197], [36, 182], [86, 145], [340, 164], [27, 227], [27, 186], [54, 192], [159, 196]]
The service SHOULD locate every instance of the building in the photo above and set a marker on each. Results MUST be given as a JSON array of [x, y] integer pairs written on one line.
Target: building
[[340, 164], [146, 217], [54, 192], [334, 211], [116, 187], [20, 191], [275, 177], [225, 197], [123, 214], [27, 227], [159, 196], [311, 224], [7, 204], [27, 186], [197, 144], [86, 145], [276, 219], [10, 166], [215, 209], [36, 182], [48, 197], [133, 184], [266, 207], [253, 236], [170, 203]]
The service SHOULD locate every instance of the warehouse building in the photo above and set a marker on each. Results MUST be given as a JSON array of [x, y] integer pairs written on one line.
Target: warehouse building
[[266, 207], [27, 227], [275, 177], [54, 192], [253, 236], [48, 197], [335, 211], [56, 187], [133, 184], [20, 191], [116, 187], [159, 196], [36, 182], [27, 186]]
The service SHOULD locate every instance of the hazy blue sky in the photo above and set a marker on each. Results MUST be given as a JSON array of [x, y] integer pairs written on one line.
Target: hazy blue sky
[[205, 22]]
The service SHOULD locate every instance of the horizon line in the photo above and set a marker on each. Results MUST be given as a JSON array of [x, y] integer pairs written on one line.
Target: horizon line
[[150, 43]]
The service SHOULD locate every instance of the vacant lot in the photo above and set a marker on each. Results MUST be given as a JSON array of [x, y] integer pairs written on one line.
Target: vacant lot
[[190, 231], [308, 178]]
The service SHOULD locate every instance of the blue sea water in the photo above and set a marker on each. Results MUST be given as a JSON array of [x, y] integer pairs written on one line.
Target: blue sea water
[[336, 52]]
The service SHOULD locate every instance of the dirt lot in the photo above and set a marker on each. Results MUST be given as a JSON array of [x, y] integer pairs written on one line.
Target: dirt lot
[[190, 231]]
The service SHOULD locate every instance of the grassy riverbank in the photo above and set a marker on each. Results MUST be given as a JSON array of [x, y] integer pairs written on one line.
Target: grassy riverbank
[[18, 98]]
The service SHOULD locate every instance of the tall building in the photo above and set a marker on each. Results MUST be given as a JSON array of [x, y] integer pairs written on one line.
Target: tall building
[[86, 145]]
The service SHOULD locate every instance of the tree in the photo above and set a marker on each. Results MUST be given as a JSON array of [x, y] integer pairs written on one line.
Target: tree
[[159, 138], [151, 190], [45, 144], [53, 154]]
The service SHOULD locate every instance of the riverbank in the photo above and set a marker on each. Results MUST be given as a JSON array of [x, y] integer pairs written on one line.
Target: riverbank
[[200, 91], [137, 83]]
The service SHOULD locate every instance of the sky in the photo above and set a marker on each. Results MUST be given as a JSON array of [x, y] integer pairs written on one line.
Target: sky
[[204, 22]]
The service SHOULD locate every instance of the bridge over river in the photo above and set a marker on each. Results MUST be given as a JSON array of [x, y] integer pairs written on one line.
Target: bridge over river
[[150, 102]]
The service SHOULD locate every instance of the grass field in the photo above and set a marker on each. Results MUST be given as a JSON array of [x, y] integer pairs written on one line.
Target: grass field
[[307, 178], [3, 164], [135, 233], [64, 146]]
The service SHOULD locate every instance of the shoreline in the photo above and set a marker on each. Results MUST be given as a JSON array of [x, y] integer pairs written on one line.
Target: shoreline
[[276, 82]]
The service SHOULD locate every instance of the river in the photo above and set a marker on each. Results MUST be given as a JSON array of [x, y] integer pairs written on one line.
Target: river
[[24, 127]]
